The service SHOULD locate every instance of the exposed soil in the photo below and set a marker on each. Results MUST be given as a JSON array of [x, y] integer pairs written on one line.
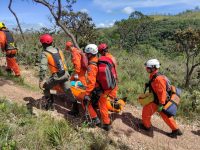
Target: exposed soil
[[125, 126]]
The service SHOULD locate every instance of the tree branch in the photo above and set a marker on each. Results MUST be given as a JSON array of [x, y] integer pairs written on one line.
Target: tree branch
[[57, 18], [20, 29], [193, 67]]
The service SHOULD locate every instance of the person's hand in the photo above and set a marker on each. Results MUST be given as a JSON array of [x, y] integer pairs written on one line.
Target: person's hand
[[160, 107], [86, 100], [41, 84]]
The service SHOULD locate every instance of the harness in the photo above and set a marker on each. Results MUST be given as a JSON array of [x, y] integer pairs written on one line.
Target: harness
[[10, 44], [168, 88], [58, 62]]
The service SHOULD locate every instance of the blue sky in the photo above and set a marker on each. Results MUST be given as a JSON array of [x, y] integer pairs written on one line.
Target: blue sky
[[103, 12]]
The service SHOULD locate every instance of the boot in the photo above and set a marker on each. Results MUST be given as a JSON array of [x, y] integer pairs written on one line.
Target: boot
[[106, 127], [9, 71], [175, 133], [49, 105], [75, 110], [96, 121], [141, 126]]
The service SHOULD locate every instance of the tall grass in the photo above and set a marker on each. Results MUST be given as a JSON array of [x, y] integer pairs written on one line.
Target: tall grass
[[21, 130]]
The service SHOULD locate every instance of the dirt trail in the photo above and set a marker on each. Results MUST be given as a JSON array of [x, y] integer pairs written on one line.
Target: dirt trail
[[124, 127]]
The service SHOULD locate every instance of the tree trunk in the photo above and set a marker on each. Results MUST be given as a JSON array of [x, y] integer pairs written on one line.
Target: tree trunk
[[20, 29], [187, 81], [68, 33]]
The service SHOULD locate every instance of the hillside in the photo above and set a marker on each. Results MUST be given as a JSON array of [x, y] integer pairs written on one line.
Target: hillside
[[125, 132]]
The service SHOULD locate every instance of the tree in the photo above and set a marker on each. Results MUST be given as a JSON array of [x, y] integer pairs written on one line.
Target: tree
[[188, 41], [80, 24], [56, 8], [20, 29], [134, 30]]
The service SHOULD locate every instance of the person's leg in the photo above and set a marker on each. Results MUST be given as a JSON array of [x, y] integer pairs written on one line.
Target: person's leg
[[147, 112], [11, 62], [14, 66], [172, 124], [103, 109], [48, 85], [68, 92]]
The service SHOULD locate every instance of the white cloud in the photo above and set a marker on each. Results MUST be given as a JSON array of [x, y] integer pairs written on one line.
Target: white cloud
[[106, 24], [84, 10], [114, 4], [128, 10]]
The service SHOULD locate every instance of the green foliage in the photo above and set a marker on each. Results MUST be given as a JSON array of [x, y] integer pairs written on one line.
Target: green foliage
[[81, 26], [133, 30], [21, 130], [188, 42]]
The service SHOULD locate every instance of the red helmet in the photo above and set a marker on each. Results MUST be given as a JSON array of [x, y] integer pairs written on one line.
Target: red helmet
[[69, 44], [46, 39], [102, 47]]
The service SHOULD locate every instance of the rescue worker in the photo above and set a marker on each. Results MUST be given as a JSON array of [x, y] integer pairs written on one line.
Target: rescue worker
[[54, 59], [8, 46], [91, 50], [79, 72], [103, 50], [158, 87]]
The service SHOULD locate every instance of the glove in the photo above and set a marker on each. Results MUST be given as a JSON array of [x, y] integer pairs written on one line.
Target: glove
[[86, 100], [160, 107], [76, 76]]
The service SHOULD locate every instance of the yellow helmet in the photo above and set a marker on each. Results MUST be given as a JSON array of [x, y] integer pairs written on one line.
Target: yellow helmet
[[2, 25]]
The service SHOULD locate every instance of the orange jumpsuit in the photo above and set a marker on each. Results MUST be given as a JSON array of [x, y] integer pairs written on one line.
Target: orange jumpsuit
[[159, 87], [91, 83], [76, 60], [10, 54], [104, 97]]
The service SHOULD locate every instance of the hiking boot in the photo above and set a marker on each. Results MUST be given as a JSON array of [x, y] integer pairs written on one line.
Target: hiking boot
[[73, 113], [8, 70], [49, 106], [96, 121], [175, 133], [141, 126], [106, 127], [75, 110]]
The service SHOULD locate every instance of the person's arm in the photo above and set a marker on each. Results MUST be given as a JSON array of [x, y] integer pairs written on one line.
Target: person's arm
[[43, 67], [2, 41], [91, 78], [76, 60]]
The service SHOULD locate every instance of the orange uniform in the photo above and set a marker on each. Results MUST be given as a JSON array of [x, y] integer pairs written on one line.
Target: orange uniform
[[91, 82], [159, 87], [10, 50], [76, 60]]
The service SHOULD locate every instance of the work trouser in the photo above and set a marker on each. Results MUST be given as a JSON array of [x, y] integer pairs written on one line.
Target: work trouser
[[63, 81], [149, 110], [81, 77], [11, 62], [102, 103]]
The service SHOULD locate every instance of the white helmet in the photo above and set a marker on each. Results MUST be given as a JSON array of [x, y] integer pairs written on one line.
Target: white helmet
[[152, 63], [91, 48]]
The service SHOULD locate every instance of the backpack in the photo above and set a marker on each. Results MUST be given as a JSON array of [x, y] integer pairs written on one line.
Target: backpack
[[107, 75], [10, 44], [84, 61], [173, 96]]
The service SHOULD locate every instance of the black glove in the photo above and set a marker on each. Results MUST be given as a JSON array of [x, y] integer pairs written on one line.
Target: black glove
[[86, 100]]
